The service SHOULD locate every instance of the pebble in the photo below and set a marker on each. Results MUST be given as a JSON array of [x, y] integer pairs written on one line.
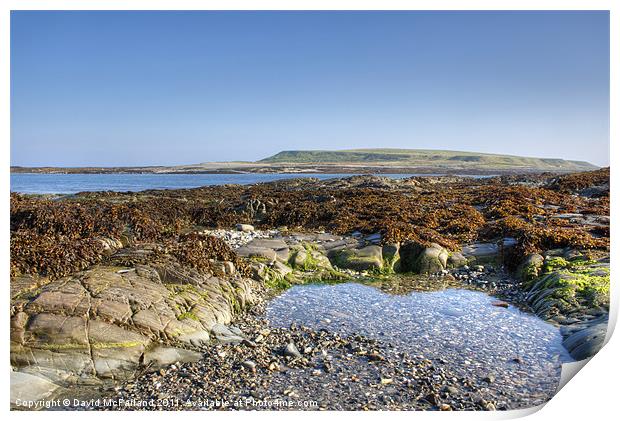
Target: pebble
[[250, 365], [291, 350], [499, 303], [489, 378]]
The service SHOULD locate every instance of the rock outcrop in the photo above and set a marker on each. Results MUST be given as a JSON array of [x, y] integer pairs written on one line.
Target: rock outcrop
[[102, 323]]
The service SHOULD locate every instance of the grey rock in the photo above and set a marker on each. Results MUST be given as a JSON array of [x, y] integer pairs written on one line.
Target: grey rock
[[249, 364], [162, 356], [291, 351], [268, 254], [481, 252], [586, 342], [373, 238], [223, 334], [281, 268], [245, 227], [28, 387], [278, 246]]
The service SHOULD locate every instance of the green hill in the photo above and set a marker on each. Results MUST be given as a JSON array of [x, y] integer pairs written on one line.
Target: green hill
[[423, 158]]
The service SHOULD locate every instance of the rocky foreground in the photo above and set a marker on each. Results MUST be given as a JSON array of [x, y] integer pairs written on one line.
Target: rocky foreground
[[137, 291]]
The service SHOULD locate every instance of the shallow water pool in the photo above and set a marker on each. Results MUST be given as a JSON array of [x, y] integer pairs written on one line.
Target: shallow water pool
[[511, 352]]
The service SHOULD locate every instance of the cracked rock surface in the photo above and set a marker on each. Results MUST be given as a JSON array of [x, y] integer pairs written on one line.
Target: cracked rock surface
[[103, 322]]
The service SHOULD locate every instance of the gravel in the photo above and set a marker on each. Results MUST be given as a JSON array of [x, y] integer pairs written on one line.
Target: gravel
[[328, 372]]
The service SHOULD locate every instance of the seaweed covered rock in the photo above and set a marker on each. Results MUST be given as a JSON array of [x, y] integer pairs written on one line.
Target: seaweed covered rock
[[391, 256], [309, 257], [570, 289], [57, 237]]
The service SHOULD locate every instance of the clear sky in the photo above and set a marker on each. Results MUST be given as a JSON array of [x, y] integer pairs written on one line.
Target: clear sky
[[143, 88]]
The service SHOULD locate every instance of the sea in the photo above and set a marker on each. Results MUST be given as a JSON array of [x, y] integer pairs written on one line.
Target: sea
[[36, 183]]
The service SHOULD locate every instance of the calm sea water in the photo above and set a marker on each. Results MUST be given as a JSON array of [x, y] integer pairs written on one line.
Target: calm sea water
[[74, 183]]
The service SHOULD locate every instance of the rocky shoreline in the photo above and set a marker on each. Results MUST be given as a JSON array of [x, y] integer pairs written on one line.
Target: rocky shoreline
[[131, 291]]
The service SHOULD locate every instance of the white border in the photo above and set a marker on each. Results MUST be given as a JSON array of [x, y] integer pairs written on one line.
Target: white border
[[591, 395]]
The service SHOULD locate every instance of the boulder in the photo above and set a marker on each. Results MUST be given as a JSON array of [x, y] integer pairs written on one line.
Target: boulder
[[419, 259], [456, 260], [530, 268], [309, 259], [299, 258], [366, 258], [433, 259], [281, 268], [245, 227], [261, 253], [391, 255], [277, 247], [225, 334]]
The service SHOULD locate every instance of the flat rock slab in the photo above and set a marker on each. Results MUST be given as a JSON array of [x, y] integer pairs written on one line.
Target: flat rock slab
[[28, 387], [262, 252], [586, 342], [271, 243], [98, 323], [266, 247], [226, 334], [340, 244], [162, 356], [480, 250]]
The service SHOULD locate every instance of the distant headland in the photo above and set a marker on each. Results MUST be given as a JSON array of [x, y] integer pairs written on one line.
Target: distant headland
[[374, 160]]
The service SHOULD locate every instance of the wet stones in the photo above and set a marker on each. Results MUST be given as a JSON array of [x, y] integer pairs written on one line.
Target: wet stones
[[329, 372]]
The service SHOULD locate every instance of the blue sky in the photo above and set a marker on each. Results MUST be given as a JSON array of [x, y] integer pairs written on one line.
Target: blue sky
[[148, 88]]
